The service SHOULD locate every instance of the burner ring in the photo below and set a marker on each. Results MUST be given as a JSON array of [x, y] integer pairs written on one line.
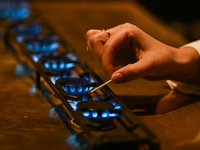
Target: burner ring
[[77, 126]]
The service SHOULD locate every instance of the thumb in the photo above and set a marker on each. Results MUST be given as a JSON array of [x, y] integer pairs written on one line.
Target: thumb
[[131, 72]]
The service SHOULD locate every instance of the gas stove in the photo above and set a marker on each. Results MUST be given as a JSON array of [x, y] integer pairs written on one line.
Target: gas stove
[[97, 121]]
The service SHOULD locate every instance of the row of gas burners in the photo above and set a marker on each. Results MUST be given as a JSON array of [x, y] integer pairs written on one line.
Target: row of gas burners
[[62, 66], [71, 80]]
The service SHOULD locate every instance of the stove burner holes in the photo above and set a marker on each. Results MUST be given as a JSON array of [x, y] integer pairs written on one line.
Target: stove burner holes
[[76, 86], [42, 43], [58, 65], [98, 112], [27, 27], [49, 56], [61, 75]]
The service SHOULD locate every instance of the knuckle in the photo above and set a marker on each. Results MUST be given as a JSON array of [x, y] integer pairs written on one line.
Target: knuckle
[[89, 32]]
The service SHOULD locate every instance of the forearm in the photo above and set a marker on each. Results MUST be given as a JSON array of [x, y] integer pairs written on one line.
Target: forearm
[[189, 82]]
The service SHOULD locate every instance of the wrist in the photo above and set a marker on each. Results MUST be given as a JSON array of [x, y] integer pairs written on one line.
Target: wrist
[[188, 61]]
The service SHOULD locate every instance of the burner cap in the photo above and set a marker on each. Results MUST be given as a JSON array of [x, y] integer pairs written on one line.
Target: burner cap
[[95, 105]]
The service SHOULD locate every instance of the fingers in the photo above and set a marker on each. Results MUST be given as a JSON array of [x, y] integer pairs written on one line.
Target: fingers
[[132, 71], [95, 42], [104, 49], [116, 42]]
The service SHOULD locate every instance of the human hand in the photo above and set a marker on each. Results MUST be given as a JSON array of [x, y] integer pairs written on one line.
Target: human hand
[[153, 59]]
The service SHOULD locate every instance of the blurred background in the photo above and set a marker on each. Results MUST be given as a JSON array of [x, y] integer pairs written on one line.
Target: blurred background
[[182, 15]]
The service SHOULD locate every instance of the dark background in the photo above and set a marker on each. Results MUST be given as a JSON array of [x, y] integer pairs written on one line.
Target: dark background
[[182, 15]]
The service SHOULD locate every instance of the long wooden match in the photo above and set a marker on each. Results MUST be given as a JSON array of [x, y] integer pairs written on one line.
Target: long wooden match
[[109, 81]]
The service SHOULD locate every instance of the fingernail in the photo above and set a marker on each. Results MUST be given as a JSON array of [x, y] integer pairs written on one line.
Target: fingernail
[[117, 77]]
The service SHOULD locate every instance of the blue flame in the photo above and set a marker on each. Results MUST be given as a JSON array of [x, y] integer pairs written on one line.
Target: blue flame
[[113, 115], [54, 65], [94, 114], [86, 113], [65, 88], [73, 105], [69, 65], [28, 29], [117, 107], [35, 58], [72, 88], [32, 90], [71, 141], [72, 56], [76, 89], [54, 46], [20, 38], [15, 14], [105, 114], [42, 46], [62, 65], [47, 65], [79, 88], [84, 98]]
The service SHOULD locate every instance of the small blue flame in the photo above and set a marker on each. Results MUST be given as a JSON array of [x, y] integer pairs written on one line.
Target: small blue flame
[[35, 58], [54, 65], [105, 114], [94, 114], [27, 29], [72, 88], [84, 98], [117, 107], [47, 65], [113, 115], [32, 90], [69, 65], [62, 65], [72, 56], [15, 14], [53, 114], [20, 38], [65, 88], [73, 105], [80, 88], [86, 113], [54, 46], [41, 46]]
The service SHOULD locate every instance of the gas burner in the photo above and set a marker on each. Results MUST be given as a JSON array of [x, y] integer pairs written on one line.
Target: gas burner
[[65, 81], [62, 75], [69, 55], [42, 43], [54, 62], [99, 112], [14, 10], [57, 64], [28, 27], [69, 74], [75, 88]]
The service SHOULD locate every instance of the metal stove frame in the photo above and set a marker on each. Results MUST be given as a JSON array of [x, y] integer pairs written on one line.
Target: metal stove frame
[[132, 127]]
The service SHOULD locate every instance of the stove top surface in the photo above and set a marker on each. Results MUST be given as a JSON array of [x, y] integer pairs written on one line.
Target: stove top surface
[[30, 118]]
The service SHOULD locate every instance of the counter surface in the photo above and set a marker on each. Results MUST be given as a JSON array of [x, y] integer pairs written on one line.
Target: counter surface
[[26, 119]]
